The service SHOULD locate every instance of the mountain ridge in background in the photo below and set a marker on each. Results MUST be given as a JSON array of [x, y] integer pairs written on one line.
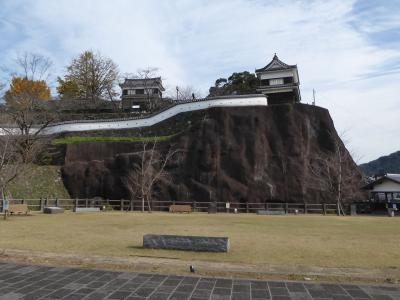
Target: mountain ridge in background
[[384, 164]]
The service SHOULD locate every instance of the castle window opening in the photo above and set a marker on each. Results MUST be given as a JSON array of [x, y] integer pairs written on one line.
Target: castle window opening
[[276, 81]]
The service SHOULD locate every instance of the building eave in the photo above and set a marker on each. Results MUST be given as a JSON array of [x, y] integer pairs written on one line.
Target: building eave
[[265, 69], [276, 60], [371, 185]]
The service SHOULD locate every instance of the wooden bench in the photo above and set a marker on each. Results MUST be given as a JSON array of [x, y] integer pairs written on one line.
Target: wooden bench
[[180, 208], [18, 209]]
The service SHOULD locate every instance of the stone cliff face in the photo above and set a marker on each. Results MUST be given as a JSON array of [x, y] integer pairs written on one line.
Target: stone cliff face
[[285, 153]]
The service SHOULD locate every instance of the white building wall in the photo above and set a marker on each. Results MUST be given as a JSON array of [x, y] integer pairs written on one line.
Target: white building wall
[[277, 74], [387, 186], [238, 101]]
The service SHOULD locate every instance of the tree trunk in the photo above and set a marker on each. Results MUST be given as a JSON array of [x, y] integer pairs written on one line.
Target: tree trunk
[[148, 203], [339, 196]]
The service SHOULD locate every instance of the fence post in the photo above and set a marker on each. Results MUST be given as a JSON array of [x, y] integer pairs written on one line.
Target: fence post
[[286, 208], [324, 208], [41, 204], [86, 202], [305, 207], [247, 207], [122, 205], [338, 209], [45, 202], [76, 204], [194, 205], [131, 204], [22, 201], [56, 202]]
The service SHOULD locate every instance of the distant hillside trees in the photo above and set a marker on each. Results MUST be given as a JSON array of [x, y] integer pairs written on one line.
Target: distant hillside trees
[[383, 165], [237, 84], [90, 76]]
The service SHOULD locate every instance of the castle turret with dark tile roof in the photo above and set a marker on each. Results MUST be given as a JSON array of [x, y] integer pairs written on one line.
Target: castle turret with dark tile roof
[[279, 81]]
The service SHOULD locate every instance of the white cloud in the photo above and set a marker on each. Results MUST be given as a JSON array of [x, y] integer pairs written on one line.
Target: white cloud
[[196, 42]]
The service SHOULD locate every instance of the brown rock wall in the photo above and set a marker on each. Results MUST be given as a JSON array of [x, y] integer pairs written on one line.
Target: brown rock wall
[[285, 153]]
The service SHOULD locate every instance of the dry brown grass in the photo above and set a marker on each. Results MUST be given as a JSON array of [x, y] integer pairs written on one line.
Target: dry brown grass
[[326, 241]]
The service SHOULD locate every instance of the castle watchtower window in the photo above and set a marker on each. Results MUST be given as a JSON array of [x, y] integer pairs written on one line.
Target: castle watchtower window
[[140, 92], [276, 81]]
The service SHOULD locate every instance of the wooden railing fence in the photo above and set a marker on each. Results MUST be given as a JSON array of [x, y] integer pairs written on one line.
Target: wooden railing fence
[[156, 205]]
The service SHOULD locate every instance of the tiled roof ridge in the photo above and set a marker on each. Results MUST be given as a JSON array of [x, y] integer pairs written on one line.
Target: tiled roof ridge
[[276, 59]]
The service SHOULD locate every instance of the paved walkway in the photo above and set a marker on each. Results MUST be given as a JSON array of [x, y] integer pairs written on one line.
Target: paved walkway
[[37, 282]]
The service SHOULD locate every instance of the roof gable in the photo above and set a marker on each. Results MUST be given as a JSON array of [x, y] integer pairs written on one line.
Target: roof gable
[[394, 177], [388, 177], [155, 82], [276, 64]]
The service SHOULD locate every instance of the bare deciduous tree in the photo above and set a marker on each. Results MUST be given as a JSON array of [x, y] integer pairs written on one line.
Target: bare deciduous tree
[[147, 169], [330, 172], [10, 160], [21, 137], [147, 75], [188, 93], [17, 153], [34, 66]]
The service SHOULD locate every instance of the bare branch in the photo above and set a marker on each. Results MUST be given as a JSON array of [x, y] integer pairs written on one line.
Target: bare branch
[[146, 171], [34, 66], [189, 92]]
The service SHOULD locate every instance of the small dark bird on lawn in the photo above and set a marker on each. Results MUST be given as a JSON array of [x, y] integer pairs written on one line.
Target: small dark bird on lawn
[[192, 270]]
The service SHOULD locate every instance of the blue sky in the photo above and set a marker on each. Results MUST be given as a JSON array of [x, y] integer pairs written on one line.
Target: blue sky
[[349, 51]]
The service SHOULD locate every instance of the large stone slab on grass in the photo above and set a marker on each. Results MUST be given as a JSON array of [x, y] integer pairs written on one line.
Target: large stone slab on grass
[[188, 243], [86, 209], [53, 210]]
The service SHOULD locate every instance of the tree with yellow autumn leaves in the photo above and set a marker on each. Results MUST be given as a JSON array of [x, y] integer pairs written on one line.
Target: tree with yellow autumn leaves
[[24, 93], [21, 141], [90, 76]]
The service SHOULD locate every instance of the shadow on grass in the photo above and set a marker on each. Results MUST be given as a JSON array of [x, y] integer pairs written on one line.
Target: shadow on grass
[[136, 247], [150, 256]]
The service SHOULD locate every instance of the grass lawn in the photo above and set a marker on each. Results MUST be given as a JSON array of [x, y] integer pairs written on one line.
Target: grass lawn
[[328, 241]]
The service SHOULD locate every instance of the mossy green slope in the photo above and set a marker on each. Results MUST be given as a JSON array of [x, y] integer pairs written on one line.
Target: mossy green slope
[[39, 181]]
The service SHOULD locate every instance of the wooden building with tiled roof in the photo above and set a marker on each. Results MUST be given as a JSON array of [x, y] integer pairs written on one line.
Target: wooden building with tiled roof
[[137, 93], [279, 82]]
